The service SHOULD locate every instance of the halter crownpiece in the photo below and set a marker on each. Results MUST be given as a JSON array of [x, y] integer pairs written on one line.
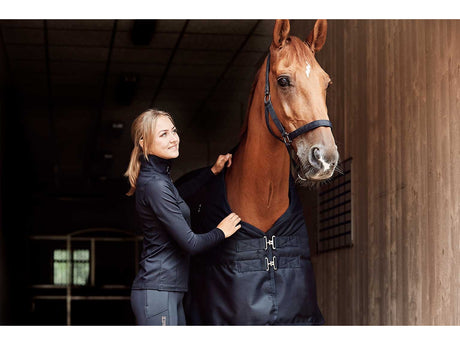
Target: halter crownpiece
[[286, 137]]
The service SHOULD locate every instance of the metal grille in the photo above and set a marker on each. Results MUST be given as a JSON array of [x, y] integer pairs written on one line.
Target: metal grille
[[334, 221]]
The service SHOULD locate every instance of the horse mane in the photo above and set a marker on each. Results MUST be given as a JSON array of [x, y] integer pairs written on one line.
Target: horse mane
[[244, 128]]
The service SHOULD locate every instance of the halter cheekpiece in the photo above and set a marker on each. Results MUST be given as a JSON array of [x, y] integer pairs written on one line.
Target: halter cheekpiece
[[285, 136]]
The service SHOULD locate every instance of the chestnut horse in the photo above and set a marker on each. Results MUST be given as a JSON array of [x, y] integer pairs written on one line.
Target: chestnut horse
[[258, 180], [263, 273]]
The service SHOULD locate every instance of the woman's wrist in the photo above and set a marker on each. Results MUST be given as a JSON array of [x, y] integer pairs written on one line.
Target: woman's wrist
[[223, 232]]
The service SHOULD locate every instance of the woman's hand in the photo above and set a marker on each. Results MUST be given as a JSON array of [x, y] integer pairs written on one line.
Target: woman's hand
[[220, 163], [229, 225]]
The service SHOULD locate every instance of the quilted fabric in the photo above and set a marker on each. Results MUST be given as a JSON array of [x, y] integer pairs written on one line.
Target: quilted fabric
[[251, 278]]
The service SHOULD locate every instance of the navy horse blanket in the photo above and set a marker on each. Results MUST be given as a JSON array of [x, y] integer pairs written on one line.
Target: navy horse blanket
[[251, 278]]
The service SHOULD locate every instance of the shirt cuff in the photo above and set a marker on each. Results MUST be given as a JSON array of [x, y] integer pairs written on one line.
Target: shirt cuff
[[220, 233]]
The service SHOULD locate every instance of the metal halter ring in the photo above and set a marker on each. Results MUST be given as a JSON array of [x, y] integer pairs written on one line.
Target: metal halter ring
[[266, 100]]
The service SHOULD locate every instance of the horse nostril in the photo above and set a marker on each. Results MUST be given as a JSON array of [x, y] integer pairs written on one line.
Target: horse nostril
[[316, 153], [315, 157], [322, 159]]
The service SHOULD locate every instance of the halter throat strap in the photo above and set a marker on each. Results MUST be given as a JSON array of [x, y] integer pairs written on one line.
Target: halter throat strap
[[286, 137]]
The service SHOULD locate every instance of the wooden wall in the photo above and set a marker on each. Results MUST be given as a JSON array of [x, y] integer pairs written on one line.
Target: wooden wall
[[395, 108]]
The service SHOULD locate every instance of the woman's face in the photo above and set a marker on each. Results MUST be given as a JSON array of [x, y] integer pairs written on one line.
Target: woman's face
[[166, 140]]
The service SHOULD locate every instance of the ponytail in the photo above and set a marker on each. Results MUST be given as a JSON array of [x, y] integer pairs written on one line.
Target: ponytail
[[133, 168]]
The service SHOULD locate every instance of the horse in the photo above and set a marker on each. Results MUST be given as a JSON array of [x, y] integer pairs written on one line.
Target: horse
[[257, 186], [263, 274]]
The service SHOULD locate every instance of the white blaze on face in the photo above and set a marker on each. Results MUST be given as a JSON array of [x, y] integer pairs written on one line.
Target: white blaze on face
[[308, 69]]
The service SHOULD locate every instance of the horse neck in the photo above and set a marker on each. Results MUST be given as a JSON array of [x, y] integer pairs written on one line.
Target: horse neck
[[258, 180]]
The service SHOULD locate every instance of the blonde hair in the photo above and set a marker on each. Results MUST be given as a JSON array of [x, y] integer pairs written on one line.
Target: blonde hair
[[143, 127]]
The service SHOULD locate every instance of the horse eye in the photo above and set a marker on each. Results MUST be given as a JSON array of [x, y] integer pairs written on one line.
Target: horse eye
[[283, 81]]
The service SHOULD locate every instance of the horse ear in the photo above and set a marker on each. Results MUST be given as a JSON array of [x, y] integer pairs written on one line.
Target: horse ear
[[281, 32], [317, 36]]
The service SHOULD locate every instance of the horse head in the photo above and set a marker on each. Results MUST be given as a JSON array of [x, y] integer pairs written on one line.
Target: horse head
[[298, 94]]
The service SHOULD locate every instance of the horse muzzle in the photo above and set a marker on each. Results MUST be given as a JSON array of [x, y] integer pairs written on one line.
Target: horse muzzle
[[317, 163]]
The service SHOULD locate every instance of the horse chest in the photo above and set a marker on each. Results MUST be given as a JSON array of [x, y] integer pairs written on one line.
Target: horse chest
[[260, 204]]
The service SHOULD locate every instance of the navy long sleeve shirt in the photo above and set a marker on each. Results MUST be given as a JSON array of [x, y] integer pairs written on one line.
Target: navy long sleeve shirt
[[165, 221]]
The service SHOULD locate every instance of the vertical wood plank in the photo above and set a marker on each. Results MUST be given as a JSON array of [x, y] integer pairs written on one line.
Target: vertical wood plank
[[454, 121], [361, 176]]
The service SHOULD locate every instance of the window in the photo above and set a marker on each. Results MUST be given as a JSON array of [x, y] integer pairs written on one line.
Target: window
[[79, 266]]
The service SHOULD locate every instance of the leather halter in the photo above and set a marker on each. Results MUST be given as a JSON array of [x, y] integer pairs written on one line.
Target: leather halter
[[285, 136]]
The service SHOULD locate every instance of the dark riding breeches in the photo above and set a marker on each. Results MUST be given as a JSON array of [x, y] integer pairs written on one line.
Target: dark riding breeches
[[158, 308]]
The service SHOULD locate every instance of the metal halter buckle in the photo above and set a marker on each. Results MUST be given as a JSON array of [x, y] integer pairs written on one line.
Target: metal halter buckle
[[267, 98], [271, 263], [286, 139], [270, 242]]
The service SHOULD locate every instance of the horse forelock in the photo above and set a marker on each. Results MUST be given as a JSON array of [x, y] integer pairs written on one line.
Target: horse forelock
[[296, 51]]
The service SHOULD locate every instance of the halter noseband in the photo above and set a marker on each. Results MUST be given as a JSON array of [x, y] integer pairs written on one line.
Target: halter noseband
[[285, 136]]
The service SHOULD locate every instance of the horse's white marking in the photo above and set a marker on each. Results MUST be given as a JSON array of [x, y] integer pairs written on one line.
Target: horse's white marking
[[326, 165], [301, 178], [308, 69]]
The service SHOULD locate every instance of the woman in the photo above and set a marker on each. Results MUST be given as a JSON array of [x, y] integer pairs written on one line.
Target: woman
[[162, 280]]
